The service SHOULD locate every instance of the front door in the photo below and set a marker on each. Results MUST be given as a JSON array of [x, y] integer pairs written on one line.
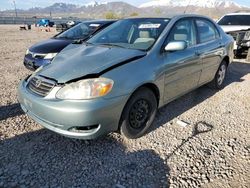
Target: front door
[[183, 67]]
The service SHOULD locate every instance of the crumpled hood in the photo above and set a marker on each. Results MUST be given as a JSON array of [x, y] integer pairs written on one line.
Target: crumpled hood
[[50, 46], [76, 61], [230, 28]]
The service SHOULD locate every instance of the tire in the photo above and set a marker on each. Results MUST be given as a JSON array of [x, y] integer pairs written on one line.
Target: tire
[[138, 114], [219, 78]]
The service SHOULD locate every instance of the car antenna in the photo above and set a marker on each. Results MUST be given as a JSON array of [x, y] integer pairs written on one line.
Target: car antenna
[[187, 6]]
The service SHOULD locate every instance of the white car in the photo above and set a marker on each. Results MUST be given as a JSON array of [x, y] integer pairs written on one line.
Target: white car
[[237, 25], [235, 22], [71, 23]]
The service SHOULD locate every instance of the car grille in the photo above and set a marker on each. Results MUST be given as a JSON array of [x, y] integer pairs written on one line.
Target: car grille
[[41, 86]]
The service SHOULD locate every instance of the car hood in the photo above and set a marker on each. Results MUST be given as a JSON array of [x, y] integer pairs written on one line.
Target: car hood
[[77, 61], [230, 28], [52, 45]]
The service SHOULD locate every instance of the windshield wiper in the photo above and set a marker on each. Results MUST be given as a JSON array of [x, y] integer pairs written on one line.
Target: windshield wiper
[[57, 37], [81, 41], [112, 45]]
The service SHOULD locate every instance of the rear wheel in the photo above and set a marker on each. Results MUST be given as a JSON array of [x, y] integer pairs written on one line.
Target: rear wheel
[[138, 113], [219, 79]]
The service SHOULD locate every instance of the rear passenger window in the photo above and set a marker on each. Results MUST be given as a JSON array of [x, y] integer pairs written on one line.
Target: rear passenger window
[[206, 31]]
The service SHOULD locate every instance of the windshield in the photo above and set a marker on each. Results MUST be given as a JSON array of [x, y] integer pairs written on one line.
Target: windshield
[[140, 33], [80, 31], [235, 20]]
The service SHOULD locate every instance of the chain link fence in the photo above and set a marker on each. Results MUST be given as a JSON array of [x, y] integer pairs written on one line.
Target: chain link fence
[[33, 20]]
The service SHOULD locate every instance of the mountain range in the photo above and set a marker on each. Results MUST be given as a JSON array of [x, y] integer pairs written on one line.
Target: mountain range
[[197, 3], [212, 8]]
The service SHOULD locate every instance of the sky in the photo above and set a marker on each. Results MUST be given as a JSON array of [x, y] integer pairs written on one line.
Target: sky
[[26, 4]]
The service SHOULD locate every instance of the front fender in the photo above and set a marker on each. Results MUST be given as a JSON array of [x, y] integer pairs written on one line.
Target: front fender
[[131, 76]]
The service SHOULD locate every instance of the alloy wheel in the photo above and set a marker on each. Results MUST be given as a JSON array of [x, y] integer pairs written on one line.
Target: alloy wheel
[[221, 74]]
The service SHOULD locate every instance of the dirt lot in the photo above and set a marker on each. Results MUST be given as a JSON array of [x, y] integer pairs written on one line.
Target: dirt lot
[[213, 151]]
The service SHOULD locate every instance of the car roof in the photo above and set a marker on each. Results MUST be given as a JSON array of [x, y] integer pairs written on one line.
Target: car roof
[[139, 17], [188, 16], [170, 16], [99, 21]]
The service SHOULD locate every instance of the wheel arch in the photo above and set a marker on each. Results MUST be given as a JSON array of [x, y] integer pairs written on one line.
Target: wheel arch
[[153, 87], [226, 59]]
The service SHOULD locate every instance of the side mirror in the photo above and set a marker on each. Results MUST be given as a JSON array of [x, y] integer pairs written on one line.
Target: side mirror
[[175, 46]]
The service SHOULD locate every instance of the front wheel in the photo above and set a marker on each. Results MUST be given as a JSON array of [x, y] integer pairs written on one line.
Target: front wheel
[[219, 79], [138, 113]]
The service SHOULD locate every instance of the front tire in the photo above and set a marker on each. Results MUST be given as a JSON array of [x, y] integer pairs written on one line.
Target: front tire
[[138, 113], [219, 78]]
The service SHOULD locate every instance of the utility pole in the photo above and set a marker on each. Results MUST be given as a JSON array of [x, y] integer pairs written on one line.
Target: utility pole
[[15, 7], [187, 7]]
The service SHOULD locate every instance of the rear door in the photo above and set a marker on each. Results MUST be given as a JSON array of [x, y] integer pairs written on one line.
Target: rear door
[[209, 49]]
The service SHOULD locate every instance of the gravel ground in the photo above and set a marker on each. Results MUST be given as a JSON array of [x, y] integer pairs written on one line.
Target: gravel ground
[[213, 150]]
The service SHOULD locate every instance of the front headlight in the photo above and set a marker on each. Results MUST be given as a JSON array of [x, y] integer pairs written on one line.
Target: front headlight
[[86, 89], [247, 36], [50, 56]]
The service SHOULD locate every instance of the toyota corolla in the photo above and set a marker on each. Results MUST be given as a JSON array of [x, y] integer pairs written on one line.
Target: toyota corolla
[[118, 79]]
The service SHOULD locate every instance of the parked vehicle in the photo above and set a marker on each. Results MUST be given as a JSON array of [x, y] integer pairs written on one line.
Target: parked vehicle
[[64, 26], [45, 23], [118, 79], [43, 52], [237, 25], [71, 22]]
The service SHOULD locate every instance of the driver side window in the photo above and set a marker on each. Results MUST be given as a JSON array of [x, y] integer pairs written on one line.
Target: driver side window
[[183, 30]]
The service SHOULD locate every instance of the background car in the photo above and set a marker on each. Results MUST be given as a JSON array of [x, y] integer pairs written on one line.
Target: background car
[[45, 23], [238, 26], [65, 26], [43, 52], [118, 79]]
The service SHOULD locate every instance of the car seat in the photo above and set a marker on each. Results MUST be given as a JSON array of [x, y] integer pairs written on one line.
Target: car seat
[[144, 40]]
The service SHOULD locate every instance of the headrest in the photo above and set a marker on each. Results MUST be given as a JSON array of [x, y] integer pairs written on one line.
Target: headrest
[[181, 34], [144, 34]]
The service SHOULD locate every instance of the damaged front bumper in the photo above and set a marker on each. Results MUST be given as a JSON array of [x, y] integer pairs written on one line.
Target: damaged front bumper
[[82, 119], [242, 41]]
